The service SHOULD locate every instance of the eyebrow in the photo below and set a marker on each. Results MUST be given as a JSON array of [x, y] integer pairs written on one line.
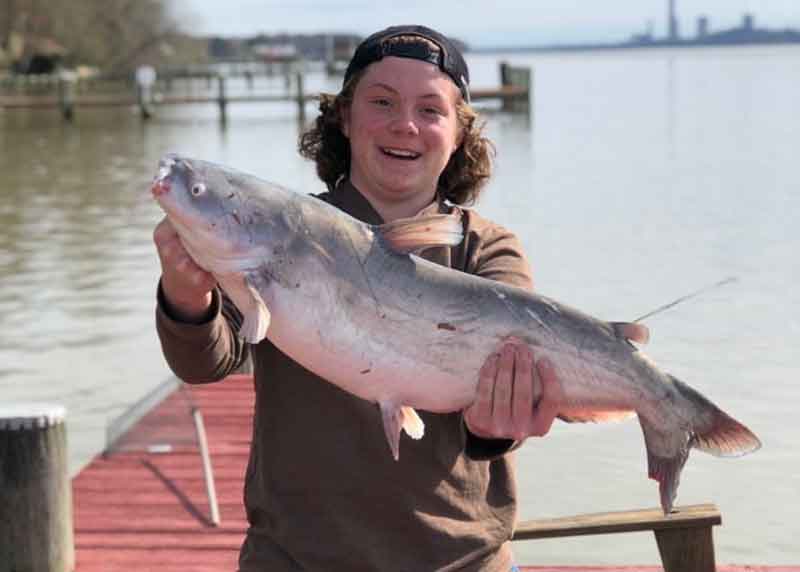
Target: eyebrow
[[388, 87]]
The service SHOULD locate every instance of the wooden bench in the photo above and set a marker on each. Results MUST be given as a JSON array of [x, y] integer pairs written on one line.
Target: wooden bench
[[684, 537]]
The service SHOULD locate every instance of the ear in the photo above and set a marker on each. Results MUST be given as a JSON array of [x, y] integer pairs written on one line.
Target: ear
[[459, 140], [345, 125]]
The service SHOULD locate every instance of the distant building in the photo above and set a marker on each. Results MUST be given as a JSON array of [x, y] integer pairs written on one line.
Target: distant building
[[748, 22], [672, 19], [702, 27], [645, 37], [34, 54]]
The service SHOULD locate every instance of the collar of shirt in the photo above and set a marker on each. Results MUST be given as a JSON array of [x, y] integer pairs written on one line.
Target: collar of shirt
[[349, 199]]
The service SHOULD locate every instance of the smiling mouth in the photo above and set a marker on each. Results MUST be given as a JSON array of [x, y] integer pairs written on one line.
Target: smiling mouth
[[402, 154]]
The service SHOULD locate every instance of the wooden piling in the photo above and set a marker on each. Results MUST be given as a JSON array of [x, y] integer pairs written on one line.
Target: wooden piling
[[301, 99], [516, 78], [66, 96], [222, 100], [35, 492], [144, 100], [145, 82]]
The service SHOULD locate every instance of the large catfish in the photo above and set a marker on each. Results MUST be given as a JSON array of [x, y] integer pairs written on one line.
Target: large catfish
[[353, 303]]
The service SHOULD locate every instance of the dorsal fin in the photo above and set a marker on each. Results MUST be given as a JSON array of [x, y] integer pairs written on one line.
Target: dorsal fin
[[409, 235], [633, 331]]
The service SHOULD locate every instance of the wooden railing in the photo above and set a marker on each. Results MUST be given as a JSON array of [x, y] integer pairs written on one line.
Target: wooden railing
[[684, 536]]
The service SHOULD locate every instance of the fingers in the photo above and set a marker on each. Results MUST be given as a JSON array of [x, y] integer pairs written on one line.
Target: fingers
[[517, 396], [504, 400], [186, 286], [502, 412], [478, 416], [552, 396], [525, 394], [176, 264]]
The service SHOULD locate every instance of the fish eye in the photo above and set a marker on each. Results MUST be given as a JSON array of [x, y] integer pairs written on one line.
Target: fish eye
[[198, 189]]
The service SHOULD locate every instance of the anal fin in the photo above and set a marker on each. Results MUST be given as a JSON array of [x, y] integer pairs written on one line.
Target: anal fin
[[397, 418], [577, 415]]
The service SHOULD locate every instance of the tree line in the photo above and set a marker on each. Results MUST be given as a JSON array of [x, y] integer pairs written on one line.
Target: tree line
[[114, 36]]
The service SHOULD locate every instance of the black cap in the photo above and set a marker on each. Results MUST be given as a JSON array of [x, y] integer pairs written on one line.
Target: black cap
[[449, 58]]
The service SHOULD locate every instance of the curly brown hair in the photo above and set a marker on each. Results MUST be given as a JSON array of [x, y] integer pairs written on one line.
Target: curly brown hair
[[462, 180]]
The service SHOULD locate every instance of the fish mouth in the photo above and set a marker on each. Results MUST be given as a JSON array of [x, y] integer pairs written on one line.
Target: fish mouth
[[401, 154], [161, 184], [160, 187]]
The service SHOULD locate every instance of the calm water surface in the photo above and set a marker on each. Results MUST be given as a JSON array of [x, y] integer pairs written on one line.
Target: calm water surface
[[642, 176]]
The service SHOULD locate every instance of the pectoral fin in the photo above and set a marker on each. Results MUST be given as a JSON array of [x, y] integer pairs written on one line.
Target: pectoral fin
[[396, 418], [250, 303], [414, 234]]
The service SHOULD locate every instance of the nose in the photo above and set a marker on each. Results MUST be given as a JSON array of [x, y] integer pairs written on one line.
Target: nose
[[404, 123]]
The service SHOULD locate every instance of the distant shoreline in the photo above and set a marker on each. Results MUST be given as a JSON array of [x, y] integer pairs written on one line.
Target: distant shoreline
[[724, 39]]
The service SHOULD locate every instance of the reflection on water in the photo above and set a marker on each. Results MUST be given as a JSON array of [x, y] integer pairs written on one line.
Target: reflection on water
[[642, 177]]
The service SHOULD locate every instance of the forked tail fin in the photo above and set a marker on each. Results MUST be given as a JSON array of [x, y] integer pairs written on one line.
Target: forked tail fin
[[719, 434], [712, 431]]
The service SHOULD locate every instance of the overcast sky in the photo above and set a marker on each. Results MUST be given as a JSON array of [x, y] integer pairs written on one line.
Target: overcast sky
[[502, 22]]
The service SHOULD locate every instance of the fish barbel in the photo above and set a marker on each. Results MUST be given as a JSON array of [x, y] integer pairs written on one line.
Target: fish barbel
[[352, 303]]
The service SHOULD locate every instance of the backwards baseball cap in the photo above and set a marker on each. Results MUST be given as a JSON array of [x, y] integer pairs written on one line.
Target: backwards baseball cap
[[448, 58]]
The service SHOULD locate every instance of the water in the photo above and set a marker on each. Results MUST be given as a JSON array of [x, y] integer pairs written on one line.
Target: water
[[642, 176]]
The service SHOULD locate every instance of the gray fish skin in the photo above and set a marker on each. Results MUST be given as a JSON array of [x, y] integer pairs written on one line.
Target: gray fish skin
[[338, 297]]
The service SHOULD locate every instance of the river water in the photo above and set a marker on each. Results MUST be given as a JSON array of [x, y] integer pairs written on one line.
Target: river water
[[641, 177]]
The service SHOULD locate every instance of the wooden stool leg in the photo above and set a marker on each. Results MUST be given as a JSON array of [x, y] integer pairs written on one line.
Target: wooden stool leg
[[686, 550]]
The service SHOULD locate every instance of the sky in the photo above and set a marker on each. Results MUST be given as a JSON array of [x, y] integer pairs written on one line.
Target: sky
[[501, 22]]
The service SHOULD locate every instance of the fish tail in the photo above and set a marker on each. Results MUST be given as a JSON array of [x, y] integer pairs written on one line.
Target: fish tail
[[711, 430], [716, 432]]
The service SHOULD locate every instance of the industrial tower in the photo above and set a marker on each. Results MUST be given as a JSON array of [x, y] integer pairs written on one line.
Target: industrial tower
[[673, 22]]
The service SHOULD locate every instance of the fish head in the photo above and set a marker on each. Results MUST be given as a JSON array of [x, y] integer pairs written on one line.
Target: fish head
[[210, 208], [190, 191]]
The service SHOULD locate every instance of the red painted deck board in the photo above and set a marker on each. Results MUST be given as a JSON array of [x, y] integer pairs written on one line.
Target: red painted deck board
[[136, 510], [140, 511]]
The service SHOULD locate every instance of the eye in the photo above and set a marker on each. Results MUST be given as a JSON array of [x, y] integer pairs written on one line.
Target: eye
[[198, 189], [432, 110]]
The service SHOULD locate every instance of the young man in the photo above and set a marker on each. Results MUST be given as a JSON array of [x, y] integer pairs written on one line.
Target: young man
[[322, 490]]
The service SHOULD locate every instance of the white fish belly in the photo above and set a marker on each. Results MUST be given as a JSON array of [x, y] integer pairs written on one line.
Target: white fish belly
[[381, 363]]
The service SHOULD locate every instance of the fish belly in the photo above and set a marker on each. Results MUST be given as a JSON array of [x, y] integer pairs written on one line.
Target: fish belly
[[377, 359]]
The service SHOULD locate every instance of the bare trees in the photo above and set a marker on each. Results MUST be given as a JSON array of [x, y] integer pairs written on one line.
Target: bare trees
[[113, 35]]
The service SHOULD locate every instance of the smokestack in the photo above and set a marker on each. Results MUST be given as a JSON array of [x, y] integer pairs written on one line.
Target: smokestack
[[673, 22]]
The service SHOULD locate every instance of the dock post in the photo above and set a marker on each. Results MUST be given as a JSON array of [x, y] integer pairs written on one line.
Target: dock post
[[145, 80], [35, 490], [516, 79], [686, 550], [222, 100], [301, 98], [66, 94]]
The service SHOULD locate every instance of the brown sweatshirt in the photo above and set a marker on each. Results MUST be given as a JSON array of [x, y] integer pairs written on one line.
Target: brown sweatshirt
[[322, 490]]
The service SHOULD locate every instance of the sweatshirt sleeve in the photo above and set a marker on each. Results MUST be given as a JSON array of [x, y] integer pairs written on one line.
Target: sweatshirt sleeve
[[204, 352], [495, 253]]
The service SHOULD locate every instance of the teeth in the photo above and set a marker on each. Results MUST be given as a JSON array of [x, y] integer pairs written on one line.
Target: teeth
[[401, 153]]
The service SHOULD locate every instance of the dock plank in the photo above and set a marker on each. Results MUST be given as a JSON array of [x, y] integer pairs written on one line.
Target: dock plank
[[145, 511]]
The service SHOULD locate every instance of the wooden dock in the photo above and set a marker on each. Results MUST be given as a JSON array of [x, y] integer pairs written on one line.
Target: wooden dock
[[67, 94], [143, 510]]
